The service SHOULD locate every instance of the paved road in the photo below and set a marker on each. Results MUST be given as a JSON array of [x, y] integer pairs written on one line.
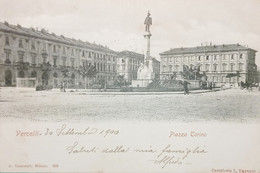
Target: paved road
[[232, 105]]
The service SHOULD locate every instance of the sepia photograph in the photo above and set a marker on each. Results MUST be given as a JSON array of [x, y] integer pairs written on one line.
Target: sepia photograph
[[120, 86]]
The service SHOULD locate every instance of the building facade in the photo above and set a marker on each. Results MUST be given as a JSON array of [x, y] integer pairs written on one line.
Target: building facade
[[230, 63], [128, 63], [156, 68], [25, 51]]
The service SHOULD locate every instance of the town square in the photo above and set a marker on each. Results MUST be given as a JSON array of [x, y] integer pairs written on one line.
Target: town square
[[109, 86]]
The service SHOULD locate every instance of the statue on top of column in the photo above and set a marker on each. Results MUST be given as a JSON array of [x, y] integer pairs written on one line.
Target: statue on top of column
[[148, 22]]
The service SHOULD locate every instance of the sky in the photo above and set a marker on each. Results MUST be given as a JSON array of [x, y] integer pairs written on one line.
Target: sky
[[119, 24]]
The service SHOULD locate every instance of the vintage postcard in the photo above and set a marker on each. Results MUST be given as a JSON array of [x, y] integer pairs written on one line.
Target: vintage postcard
[[120, 86]]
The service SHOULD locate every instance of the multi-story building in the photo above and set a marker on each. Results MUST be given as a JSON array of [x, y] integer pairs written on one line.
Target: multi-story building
[[128, 64], [230, 63], [24, 51]]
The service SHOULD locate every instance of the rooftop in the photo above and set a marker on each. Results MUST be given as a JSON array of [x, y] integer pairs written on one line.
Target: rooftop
[[130, 54], [203, 49], [45, 35]]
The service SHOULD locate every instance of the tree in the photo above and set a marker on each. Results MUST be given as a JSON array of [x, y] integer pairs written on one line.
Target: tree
[[191, 73], [120, 80], [65, 73], [87, 71]]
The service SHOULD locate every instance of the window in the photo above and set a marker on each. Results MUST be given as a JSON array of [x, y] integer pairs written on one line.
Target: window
[[240, 67], [164, 68], [170, 68], [224, 57], [63, 50], [207, 67], [7, 43], [72, 52], [232, 57], [64, 61], [33, 58], [54, 49], [33, 46], [215, 67], [232, 67], [199, 58], [7, 56], [44, 56], [55, 74], [20, 43], [207, 58], [83, 53], [224, 67], [223, 79], [44, 46], [241, 56], [20, 56], [72, 63], [215, 57], [176, 68], [55, 61]]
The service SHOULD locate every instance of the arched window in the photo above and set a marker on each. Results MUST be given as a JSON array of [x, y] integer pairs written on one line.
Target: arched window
[[232, 67], [170, 68]]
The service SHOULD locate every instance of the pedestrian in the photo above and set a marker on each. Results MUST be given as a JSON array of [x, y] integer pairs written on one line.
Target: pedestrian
[[185, 86], [61, 86], [250, 87], [64, 87]]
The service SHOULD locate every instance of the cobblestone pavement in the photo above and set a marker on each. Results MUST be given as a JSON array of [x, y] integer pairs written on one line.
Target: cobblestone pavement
[[231, 105]]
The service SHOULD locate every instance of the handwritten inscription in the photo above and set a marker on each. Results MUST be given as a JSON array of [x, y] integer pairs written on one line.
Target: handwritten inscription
[[167, 155], [65, 130]]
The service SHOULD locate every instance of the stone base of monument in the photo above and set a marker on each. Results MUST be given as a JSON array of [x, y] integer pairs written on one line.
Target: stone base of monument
[[145, 75]]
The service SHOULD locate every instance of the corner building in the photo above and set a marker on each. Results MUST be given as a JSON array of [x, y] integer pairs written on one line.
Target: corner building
[[35, 47], [128, 63], [216, 61]]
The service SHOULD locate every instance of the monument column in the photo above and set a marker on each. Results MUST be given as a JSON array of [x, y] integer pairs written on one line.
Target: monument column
[[147, 36]]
